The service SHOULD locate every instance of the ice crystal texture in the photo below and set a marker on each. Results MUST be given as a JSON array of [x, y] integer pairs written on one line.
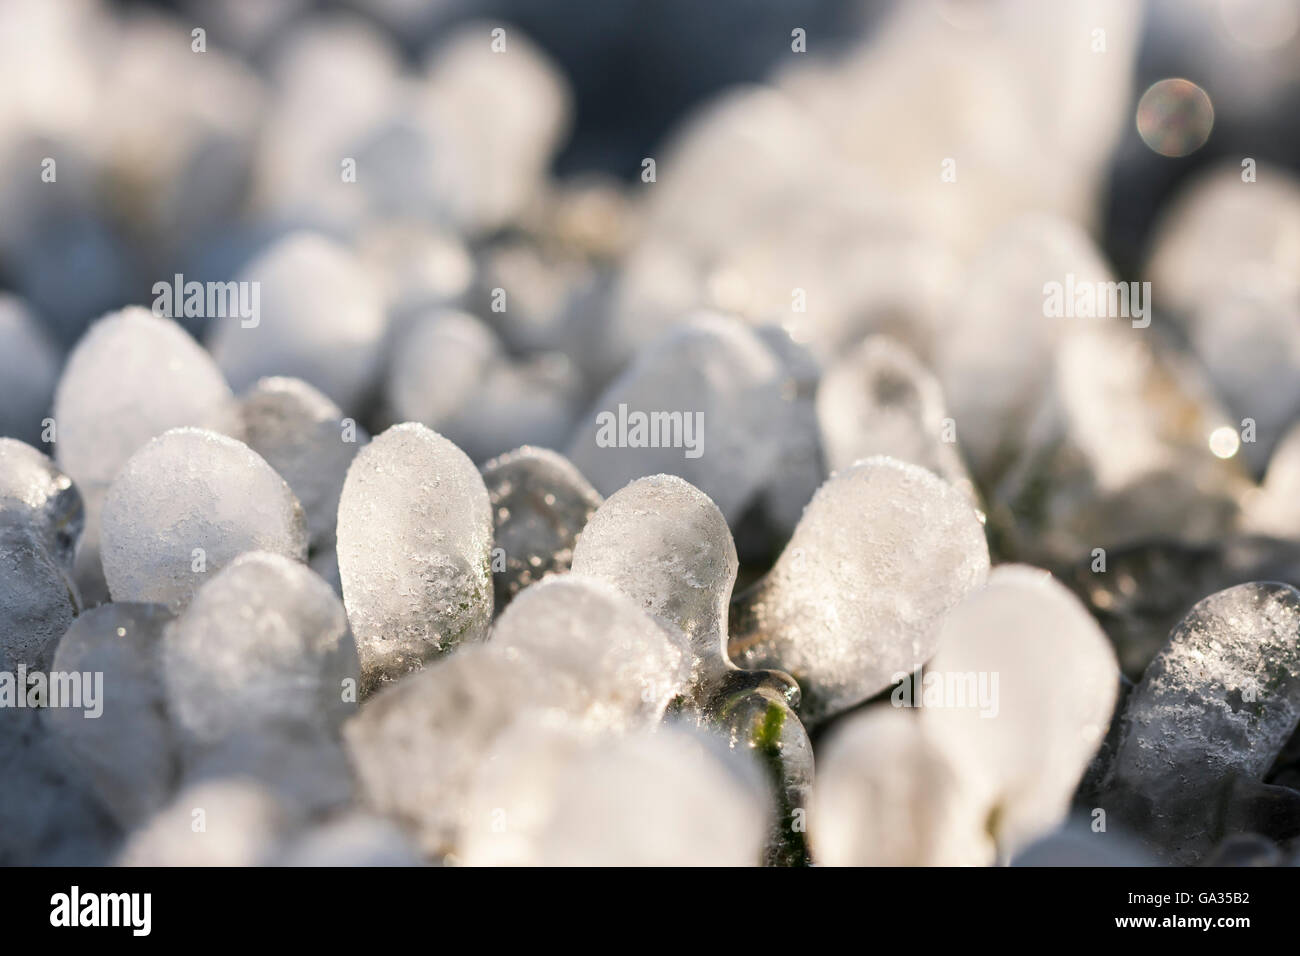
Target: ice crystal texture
[[185, 506], [882, 553], [414, 544], [263, 643], [540, 503]]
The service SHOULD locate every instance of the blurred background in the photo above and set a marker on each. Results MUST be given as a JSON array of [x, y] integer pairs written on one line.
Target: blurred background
[[479, 213]]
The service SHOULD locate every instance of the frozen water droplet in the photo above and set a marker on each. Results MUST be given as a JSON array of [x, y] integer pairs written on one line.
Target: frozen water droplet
[[1025, 737], [1248, 337], [704, 402], [662, 542], [414, 550], [185, 506], [1220, 700], [130, 378], [653, 800], [800, 470], [304, 767], [761, 722], [128, 747], [540, 503], [884, 550], [417, 745], [264, 642], [302, 435], [49, 814], [513, 793], [613, 663], [887, 794], [529, 100]]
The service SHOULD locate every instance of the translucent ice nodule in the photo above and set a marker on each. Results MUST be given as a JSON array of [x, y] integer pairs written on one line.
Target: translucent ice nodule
[[1220, 699], [664, 543], [34, 491], [705, 402], [131, 377], [414, 550], [304, 437], [1037, 680], [616, 665], [265, 641], [540, 503], [186, 505], [37, 598], [884, 550], [128, 748]]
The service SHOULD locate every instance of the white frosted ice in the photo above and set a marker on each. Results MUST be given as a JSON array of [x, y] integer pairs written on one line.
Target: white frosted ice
[[450, 372], [1121, 451], [887, 794], [526, 95], [417, 745], [414, 551], [655, 799], [995, 363], [615, 665], [1223, 694], [663, 543], [131, 377], [1221, 230], [1248, 337], [1026, 745], [884, 550], [512, 796], [264, 642], [184, 507]]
